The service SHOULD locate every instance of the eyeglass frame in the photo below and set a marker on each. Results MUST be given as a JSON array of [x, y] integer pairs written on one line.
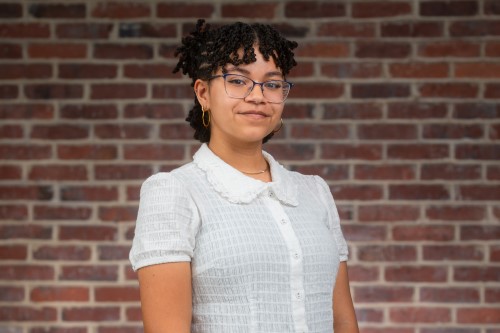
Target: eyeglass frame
[[261, 84]]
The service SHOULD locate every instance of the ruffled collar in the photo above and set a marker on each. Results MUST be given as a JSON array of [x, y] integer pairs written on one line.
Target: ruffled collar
[[234, 186]]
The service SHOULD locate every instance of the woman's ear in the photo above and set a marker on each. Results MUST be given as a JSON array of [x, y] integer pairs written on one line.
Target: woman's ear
[[202, 93]]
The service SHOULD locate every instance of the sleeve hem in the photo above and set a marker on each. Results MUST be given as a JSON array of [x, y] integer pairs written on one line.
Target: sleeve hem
[[158, 261]]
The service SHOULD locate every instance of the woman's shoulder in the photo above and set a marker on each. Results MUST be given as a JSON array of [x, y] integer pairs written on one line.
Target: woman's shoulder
[[171, 179]]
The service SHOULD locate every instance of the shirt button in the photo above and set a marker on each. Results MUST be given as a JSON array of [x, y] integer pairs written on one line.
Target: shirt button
[[283, 221], [296, 255], [271, 194], [298, 296]]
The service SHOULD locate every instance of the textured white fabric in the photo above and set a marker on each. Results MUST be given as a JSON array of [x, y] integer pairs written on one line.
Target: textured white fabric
[[264, 256]]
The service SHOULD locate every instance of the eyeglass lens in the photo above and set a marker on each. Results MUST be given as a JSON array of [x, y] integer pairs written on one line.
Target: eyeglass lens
[[239, 86]]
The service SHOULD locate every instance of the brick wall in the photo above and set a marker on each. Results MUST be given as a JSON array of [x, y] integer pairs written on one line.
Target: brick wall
[[396, 105]]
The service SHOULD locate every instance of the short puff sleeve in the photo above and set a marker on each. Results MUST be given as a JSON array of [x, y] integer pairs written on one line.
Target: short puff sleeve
[[333, 217], [167, 223]]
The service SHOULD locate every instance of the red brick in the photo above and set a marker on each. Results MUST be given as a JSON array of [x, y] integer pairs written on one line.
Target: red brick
[[493, 172], [416, 274], [61, 213], [25, 71], [456, 213], [418, 192], [380, 90], [26, 273], [123, 51], [450, 171], [417, 151], [149, 71], [323, 131], [387, 213], [304, 70], [113, 252], [24, 152], [357, 192], [117, 213], [477, 152], [317, 90], [84, 30], [492, 49], [171, 91], [449, 295], [449, 49], [492, 295], [448, 8], [11, 10], [10, 172], [11, 293], [387, 132], [121, 172], [60, 294], [452, 131], [120, 329], [491, 7], [377, 294], [421, 110], [147, 30], [8, 91], [154, 111], [58, 330], [26, 192], [24, 30], [134, 314], [116, 294], [176, 132], [126, 131], [62, 252], [87, 233], [412, 29], [452, 252], [420, 315], [382, 50], [10, 132], [53, 91], [346, 29], [339, 110], [13, 212], [291, 151], [90, 111], [361, 152], [57, 50], [494, 131], [184, 10], [27, 314], [474, 273], [91, 314], [393, 329], [13, 252], [168, 51], [474, 28], [89, 273], [363, 233], [323, 49], [352, 70], [389, 253], [87, 152], [492, 91], [121, 10], [25, 232], [363, 273], [419, 70], [369, 315], [89, 193], [308, 9], [59, 132], [10, 51], [58, 172], [26, 111], [380, 9], [153, 152], [370, 172], [326, 171], [423, 233], [87, 71], [477, 70], [449, 90], [118, 91], [478, 315], [484, 232], [56, 11], [477, 111]]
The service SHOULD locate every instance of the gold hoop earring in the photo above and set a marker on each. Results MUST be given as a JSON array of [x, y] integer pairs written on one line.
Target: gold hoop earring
[[279, 128], [205, 124]]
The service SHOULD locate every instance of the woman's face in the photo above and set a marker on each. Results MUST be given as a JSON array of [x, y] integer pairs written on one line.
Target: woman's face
[[246, 120]]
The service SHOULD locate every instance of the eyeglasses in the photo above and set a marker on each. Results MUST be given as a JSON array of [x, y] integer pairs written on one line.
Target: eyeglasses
[[240, 86]]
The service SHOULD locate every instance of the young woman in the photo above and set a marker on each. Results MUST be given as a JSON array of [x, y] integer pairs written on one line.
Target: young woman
[[234, 242]]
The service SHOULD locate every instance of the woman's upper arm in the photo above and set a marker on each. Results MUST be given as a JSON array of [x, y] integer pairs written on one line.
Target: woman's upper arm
[[344, 316], [166, 297]]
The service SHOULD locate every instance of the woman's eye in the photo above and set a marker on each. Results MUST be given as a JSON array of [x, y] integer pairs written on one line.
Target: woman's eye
[[236, 82], [273, 85]]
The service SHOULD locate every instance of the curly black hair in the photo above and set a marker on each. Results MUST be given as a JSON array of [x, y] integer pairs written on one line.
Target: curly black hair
[[205, 50]]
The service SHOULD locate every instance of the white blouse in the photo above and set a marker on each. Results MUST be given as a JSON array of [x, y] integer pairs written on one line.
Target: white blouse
[[264, 256]]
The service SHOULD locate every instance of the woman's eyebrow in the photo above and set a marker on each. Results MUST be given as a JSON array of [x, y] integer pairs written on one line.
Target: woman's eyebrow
[[246, 72]]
